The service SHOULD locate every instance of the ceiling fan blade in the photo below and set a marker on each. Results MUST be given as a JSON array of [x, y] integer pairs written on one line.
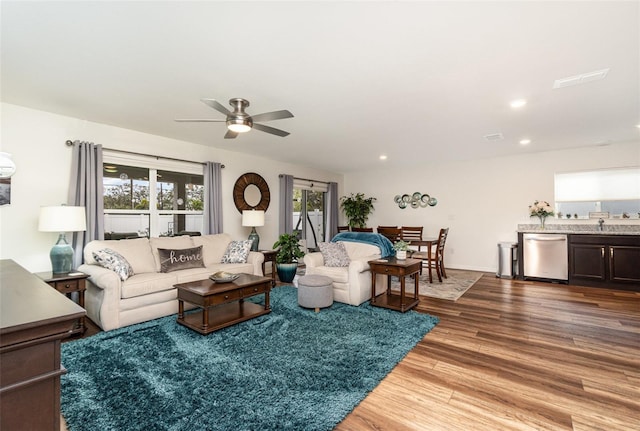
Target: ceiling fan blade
[[216, 105], [275, 115], [230, 135], [271, 130], [198, 120]]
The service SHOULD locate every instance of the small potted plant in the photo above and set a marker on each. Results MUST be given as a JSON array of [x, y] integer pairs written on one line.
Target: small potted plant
[[401, 248], [288, 247]]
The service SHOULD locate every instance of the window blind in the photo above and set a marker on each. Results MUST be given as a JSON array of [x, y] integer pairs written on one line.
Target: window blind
[[598, 185]]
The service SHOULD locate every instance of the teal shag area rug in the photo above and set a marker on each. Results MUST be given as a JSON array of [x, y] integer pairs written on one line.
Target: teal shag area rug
[[292, 369]]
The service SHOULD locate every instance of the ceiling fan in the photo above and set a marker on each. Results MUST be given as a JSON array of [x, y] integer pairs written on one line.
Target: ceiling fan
[[239, 121]]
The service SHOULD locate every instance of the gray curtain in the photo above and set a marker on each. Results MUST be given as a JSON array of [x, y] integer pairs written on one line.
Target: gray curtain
[[332, 212], [85, 189], [286, 204], [213, 198]]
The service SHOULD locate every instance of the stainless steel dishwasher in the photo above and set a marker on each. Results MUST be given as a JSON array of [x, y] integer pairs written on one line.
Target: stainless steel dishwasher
[[545, 255]]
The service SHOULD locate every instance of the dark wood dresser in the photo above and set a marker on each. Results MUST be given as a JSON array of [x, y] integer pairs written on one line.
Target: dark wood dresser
[[34, 318]]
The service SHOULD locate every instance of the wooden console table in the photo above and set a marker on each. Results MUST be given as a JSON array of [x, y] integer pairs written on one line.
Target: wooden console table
[[33, 319], [222, 304], [401, 269]]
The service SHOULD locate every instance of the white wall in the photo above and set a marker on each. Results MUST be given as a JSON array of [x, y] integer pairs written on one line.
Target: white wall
[[482, 201], [36, 141]]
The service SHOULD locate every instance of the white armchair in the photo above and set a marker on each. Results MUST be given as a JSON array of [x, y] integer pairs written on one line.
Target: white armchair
[[351, 284]]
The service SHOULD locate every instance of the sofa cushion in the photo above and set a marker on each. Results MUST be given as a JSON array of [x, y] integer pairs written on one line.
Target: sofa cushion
[[204, 273], [114, 261], [334, 254], [177, 259], [144, 284], [136, 251], [336, 274], [213, 247], [237, 252], [168, 242], [358, 250]]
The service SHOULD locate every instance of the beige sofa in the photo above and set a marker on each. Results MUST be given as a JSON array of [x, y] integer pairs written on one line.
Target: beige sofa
[[351, 284], [148, 294]]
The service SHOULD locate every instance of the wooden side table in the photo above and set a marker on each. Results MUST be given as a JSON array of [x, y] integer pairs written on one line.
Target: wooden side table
[[401, 269], [68, 283], [270, 256]]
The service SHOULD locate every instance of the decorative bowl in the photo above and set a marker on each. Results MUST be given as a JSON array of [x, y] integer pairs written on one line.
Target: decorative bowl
[[223, 277]]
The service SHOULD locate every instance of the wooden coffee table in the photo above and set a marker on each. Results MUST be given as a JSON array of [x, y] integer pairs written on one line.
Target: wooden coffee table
[[222, 304]]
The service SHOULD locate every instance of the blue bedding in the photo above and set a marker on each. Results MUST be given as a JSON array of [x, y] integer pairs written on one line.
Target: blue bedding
[[382, 242]]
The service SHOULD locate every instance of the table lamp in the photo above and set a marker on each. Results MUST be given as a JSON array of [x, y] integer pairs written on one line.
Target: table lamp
[[62, 219], [253, 218]]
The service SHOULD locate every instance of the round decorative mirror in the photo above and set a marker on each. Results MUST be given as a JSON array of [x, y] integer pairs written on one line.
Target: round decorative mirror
[[251, 192], [252, 195]]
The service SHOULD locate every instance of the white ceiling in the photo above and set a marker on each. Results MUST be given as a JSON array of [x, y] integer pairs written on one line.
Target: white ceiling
[[417, 81]]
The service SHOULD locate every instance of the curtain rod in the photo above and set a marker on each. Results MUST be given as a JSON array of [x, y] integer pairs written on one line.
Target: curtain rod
[[307, 179], [70, 143]]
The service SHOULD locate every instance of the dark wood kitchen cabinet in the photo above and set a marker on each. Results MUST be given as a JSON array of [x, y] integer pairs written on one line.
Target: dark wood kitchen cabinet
[[34, 318], [605, 261]]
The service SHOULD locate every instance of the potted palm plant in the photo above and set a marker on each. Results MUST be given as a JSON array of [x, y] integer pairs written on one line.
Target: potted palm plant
[[357, 208], [288, 247]]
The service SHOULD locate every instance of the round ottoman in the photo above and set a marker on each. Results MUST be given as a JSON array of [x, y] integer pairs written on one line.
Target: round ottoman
[[315, 291]]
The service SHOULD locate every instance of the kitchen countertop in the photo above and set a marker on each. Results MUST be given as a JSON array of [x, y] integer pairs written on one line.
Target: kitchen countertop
[[582, 229]]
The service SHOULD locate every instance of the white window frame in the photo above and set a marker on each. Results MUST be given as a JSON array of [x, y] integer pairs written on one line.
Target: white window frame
[[153, 164]]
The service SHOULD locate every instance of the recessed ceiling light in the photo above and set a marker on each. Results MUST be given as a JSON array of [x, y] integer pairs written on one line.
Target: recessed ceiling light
[[519, 103], [525, 141], [638, 126], [383, 157]]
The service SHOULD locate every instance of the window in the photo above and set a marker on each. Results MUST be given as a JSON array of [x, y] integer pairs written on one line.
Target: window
[[151, 197], [616, 191]]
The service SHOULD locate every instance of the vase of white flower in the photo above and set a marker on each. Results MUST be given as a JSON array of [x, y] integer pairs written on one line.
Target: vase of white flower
[[543, 219], [542, 210]]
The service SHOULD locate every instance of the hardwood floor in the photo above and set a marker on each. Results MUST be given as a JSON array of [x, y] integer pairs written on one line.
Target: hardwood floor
[[514, 355]]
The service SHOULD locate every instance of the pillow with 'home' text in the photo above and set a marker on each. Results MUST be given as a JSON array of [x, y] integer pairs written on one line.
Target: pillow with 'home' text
[[185, 258]]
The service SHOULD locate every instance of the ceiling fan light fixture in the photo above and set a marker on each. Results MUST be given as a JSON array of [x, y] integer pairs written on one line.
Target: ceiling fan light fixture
[[239, 125], [238, 121]]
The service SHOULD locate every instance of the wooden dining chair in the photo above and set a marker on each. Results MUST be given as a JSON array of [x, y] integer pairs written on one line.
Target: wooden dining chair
[[391, 233], [412, 233], [437, 256], [361, 229], [442, 239]]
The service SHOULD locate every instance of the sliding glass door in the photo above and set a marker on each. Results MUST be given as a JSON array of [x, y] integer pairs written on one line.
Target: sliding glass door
[[308, 214]]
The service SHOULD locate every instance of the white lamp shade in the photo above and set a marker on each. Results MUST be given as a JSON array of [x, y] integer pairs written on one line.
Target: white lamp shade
[[252, 218], [62, 219]]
